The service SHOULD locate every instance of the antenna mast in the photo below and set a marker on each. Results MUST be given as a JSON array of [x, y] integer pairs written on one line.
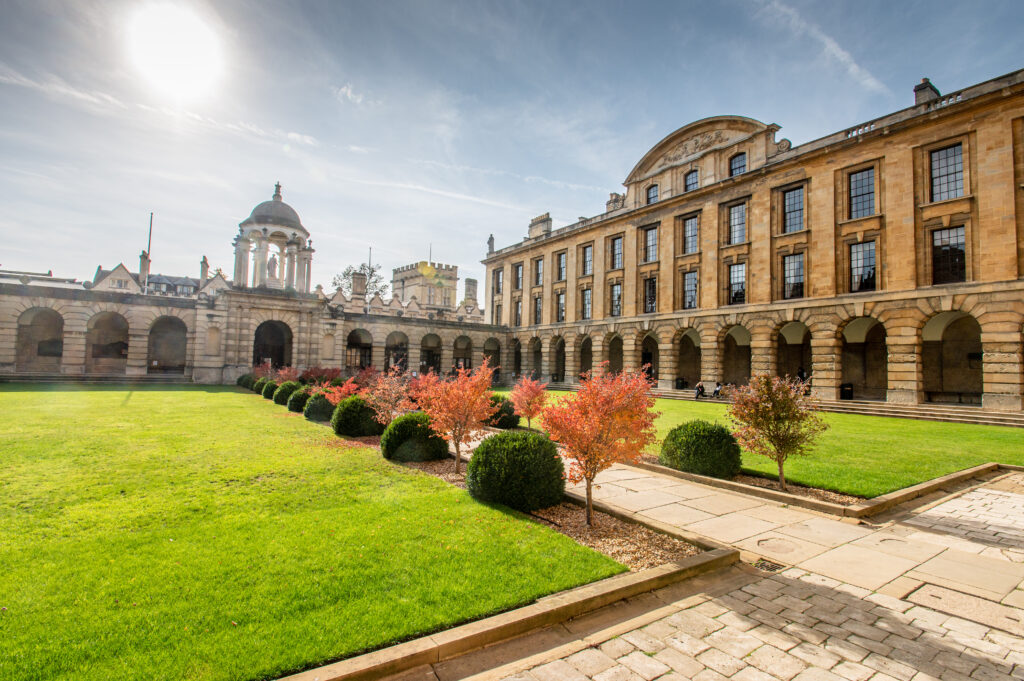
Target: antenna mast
[[149, 249]]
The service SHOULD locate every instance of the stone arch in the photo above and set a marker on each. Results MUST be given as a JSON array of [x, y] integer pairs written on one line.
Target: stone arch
[[430, 354], [39, 340], [649, 357], [735, 344], [951, 358], [167, 346], [863, 359], [517, 357], [106, 343], [462, 352], [536, 350], [396, 351], [616, 349], [793, 350], [358, 351], [492, 353], [557, 345], [688, 361], [272, 341], [586, 355]]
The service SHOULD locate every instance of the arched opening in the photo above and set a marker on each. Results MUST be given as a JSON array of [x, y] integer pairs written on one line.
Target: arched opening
[[615, 354], [736, 356], [40, 340], [558, 354], [492, 353], [586, 355], [793, 351], [463, 353], [688, 366], [396, 351], [951, 359], [272, 343], [430, 354], [517, 358], [165, 352], [107, 344], [865, 360], [536, 359], [358, 351], [649, 357]]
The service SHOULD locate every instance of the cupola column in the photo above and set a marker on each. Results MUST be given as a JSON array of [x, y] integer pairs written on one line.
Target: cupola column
[[242, 247], [259, 262], [289, 256]]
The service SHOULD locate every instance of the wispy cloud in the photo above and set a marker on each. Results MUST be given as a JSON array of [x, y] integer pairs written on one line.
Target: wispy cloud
[[790, 17], [347, 94], [58, 87]]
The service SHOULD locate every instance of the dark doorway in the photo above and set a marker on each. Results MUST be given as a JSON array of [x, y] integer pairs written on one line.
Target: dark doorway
[[272, 342]]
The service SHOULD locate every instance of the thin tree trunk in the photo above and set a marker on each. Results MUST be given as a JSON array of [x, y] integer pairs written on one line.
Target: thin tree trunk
[[590, 507], [782, 478], [458, 457]]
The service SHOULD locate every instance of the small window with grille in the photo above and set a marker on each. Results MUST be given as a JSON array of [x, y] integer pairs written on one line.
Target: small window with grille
[[947, 173], [738, 223], [588, 260], [862, 267], [737, 165], [615, 301], [690, 290], [560, 306], [586, 303], [691, 180], [862, 193], [949, 255], [617, 253], [650, 295], [652, 194], [690, 234], [560, 266], [793, 210], [793, 276], [738, 283], [650, 244]]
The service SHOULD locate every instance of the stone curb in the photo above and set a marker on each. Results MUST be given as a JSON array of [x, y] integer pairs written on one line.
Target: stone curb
[[544, 612]]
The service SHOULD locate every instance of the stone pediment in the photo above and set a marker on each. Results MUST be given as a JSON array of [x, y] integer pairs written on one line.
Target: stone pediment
[[692, 141]]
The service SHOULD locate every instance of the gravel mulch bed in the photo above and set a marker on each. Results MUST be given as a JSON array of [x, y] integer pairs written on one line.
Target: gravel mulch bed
[[633, 545]]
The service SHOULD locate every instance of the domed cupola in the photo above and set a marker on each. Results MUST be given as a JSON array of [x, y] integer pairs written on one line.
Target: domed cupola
[[273, 240], [275, 212]]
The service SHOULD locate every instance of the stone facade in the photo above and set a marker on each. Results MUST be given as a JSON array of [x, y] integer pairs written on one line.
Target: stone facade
[[885, 261]]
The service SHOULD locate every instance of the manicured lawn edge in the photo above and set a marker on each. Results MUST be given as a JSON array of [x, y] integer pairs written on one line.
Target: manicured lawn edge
[[544, 612]]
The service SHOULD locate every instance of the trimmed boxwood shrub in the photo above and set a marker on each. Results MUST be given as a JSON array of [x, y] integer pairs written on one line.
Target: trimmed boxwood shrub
[[297, 400], [521, 470], [318, 408], [245, 381], [285, 390], [354, 418], [269, 388], [703, 448], [257, 387], [506, 416], [338, 382], [409, 438]]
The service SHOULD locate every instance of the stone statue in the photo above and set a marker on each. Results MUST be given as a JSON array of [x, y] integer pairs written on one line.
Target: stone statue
[[490, 244], [272, 267]]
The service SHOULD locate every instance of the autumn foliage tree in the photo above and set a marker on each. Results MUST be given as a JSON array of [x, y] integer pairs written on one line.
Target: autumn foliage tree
[[459, 408], [528, 397], [388, 395], [775, 418], [609, 420], [336, 393]]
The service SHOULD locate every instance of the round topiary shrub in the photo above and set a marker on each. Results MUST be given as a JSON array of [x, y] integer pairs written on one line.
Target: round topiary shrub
[[506, 416], [318, 408], [257, 387], [703, 448], [354, 418], [409, 438], [244, 381], [521, 470], [285, 390], [269, 388], [297, 400]]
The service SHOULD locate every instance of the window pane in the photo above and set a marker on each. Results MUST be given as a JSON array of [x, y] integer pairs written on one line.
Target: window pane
[[793, 210], [862, 267], [588, 260], [651, 295], [616, 300], [738, 165], [692, 180], [538, 306], [737, 284], [690, 290], [560, 307], [538, 272], [949, 255], [652, 193], [586, 300], [651, 244], [947, 173], [518, 270], [690, 235], [519, 313], [862, 193], [617, 253], [738, 224], [561, 266], [793, 276]]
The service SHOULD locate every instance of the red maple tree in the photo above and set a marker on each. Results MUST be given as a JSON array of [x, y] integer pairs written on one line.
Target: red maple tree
[[609, 420], [388, 395], [336, 393], [460, 407], [528, 397]]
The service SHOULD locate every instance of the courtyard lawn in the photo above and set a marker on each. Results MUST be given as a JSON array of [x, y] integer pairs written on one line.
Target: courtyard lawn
[[868, 455], [206, 533]]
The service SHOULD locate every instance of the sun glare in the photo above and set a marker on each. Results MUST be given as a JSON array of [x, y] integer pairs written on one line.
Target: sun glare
[[177, 53]]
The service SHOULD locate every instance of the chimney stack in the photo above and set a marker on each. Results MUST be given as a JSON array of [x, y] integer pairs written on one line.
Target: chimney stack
[[143, 268], [925, 92], [470, 291], [540, 226], [204, 271], [358, 285]]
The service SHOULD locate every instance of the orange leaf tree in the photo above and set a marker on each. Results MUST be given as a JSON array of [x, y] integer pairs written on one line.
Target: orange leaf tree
[[775, 418], [388, 395], [609, 420], [459, 408], [336, 393], [528, 397]]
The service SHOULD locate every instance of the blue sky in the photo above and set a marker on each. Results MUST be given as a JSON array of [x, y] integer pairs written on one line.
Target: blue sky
[[403, 124]]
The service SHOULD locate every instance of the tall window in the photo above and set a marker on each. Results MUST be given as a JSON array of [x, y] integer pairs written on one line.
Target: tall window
[[615, 310], [738, 223], [588, 260], [738, 284], [519, 313], [793, 210], [650, 295], [652, 194], [617, 253], [586, 303], [862, 267], [538, 307], [560, 306], [737, 165], [862, 193], [690, 290], [499, 279], [560, 266], [517, 276], [691, 180], [497, 315], [947, 173], [690, 234], [949, 255], [650, 244], [538, 272], [793, 276]]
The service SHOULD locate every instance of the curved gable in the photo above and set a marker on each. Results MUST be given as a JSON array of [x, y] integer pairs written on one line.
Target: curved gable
[[692, 140]]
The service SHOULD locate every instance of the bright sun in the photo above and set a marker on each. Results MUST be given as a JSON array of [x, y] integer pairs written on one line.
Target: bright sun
[[176, 52]]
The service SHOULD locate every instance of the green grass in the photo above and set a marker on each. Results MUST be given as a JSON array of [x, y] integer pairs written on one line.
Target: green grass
[[205, 533], [869, 455]]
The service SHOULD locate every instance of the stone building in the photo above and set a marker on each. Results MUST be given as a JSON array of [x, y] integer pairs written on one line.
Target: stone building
[[432, 284], [211, 330], [884, 260]]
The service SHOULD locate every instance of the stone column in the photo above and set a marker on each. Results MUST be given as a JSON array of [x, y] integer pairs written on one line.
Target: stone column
[[241, 276], [571, 362], [377, 352], [667, 361], [762, 353], [631, 349], [415, 357], [825, 370], [72, 361], [710, 361], [300, 270], [138, 350], [447, 355], [289, 278], [598, 351], [259, 262], [1001, 370], [904, 367]]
